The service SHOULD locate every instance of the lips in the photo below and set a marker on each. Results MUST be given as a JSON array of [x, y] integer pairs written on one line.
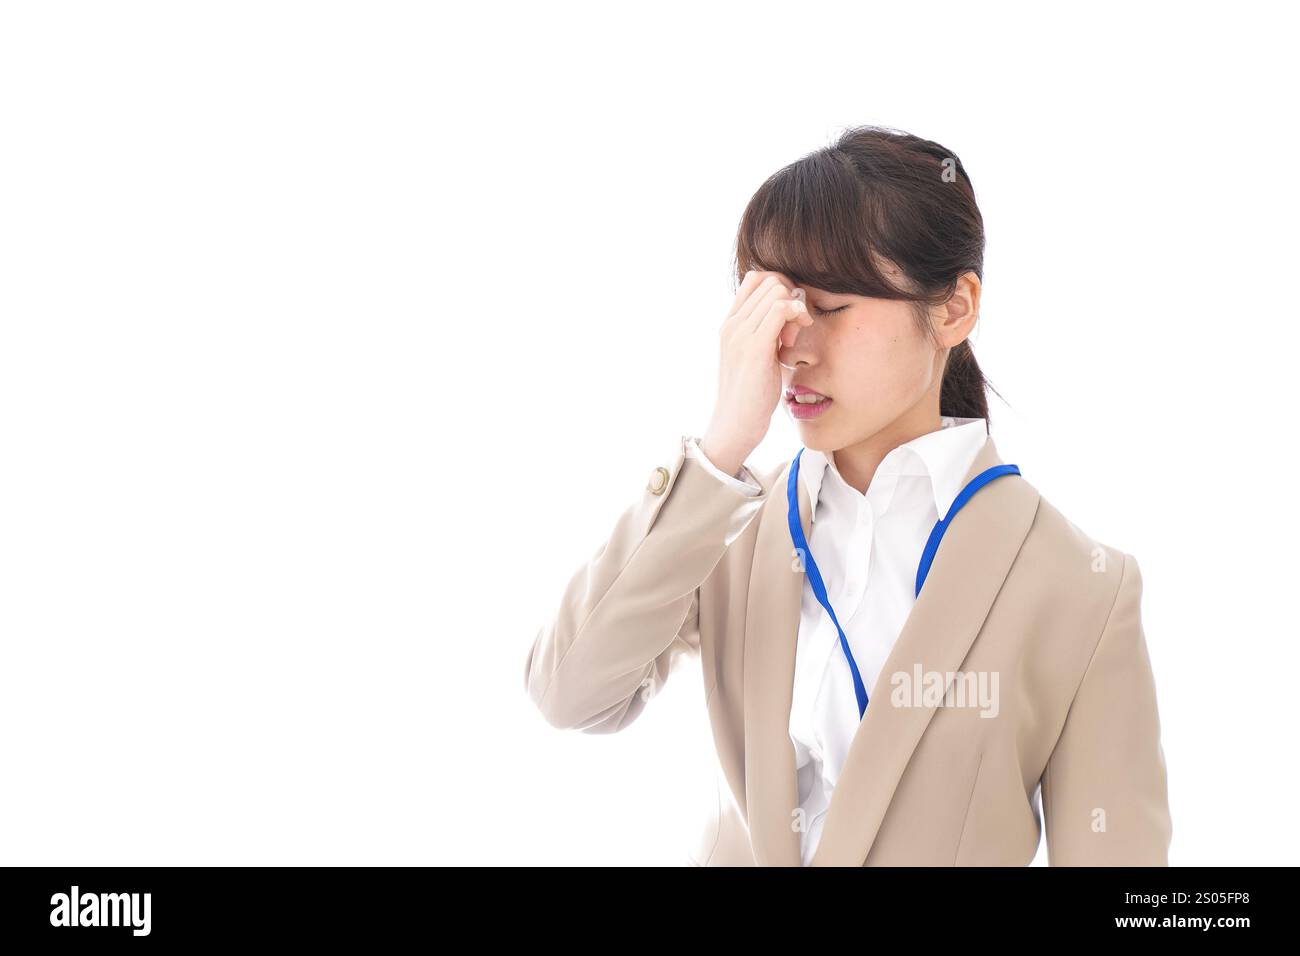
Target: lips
[[805, 404]]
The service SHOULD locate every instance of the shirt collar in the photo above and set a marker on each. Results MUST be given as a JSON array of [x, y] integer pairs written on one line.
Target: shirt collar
[[944, 456]]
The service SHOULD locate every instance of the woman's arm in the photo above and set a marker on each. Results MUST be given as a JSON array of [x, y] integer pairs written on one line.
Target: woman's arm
[[1104, 790], [632, 610]]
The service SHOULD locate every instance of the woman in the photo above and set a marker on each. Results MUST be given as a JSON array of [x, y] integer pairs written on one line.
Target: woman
[[906, 649]]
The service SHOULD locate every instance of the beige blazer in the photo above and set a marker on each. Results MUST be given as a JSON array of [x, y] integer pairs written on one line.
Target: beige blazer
[[694, 569]]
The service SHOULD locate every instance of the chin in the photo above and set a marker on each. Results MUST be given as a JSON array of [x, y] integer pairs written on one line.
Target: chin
[[815, 439]]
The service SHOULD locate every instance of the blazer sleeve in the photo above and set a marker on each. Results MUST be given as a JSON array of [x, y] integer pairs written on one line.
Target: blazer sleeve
[[1104, 789], [631, 611], [743, 481]]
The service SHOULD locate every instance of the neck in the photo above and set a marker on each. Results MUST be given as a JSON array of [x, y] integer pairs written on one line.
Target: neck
[[857, 463]]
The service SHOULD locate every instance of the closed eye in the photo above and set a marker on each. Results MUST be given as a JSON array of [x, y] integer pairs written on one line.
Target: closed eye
[[817, 311]]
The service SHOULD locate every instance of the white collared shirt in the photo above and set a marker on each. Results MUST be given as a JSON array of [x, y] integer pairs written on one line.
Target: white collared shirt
[[867, 547]]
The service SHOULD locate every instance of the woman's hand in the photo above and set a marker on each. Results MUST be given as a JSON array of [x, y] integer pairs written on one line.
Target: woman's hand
[[764, 317]]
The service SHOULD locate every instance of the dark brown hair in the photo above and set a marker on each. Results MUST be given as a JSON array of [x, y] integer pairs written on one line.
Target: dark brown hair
[[829, 219]]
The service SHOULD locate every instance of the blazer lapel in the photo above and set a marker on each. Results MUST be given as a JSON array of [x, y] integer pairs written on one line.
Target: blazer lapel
[[772, 628], [968, 570]]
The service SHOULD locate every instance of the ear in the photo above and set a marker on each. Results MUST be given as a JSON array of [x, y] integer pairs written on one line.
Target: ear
[[955, 319]]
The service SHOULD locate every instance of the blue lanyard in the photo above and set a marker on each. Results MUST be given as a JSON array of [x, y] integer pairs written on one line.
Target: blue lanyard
[[927, 556]]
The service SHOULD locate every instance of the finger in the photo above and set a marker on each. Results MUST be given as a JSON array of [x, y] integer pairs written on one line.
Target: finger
[[780, 316], [747, 285], [772, 290], [766, 283], [789, 333], [803, 318]]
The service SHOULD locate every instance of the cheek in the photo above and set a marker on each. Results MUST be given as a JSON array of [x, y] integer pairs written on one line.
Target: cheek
[[882, 343], [880, 356], [897, 330]]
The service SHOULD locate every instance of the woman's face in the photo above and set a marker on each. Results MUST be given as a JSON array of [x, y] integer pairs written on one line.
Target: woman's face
[[868, 356]]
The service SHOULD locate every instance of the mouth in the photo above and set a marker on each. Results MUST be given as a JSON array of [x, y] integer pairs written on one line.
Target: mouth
[[804, 394], [803, 403]]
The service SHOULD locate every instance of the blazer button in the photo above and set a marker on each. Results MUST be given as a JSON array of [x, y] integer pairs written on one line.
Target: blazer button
[[658, 481]]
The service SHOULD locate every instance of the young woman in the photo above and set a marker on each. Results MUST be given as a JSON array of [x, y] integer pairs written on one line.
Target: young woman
[[907, 651]]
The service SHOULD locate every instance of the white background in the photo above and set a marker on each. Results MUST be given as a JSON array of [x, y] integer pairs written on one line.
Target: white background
[[337, 335]]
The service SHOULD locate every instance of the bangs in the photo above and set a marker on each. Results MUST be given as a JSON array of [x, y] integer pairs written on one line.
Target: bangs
[[815, 222]]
